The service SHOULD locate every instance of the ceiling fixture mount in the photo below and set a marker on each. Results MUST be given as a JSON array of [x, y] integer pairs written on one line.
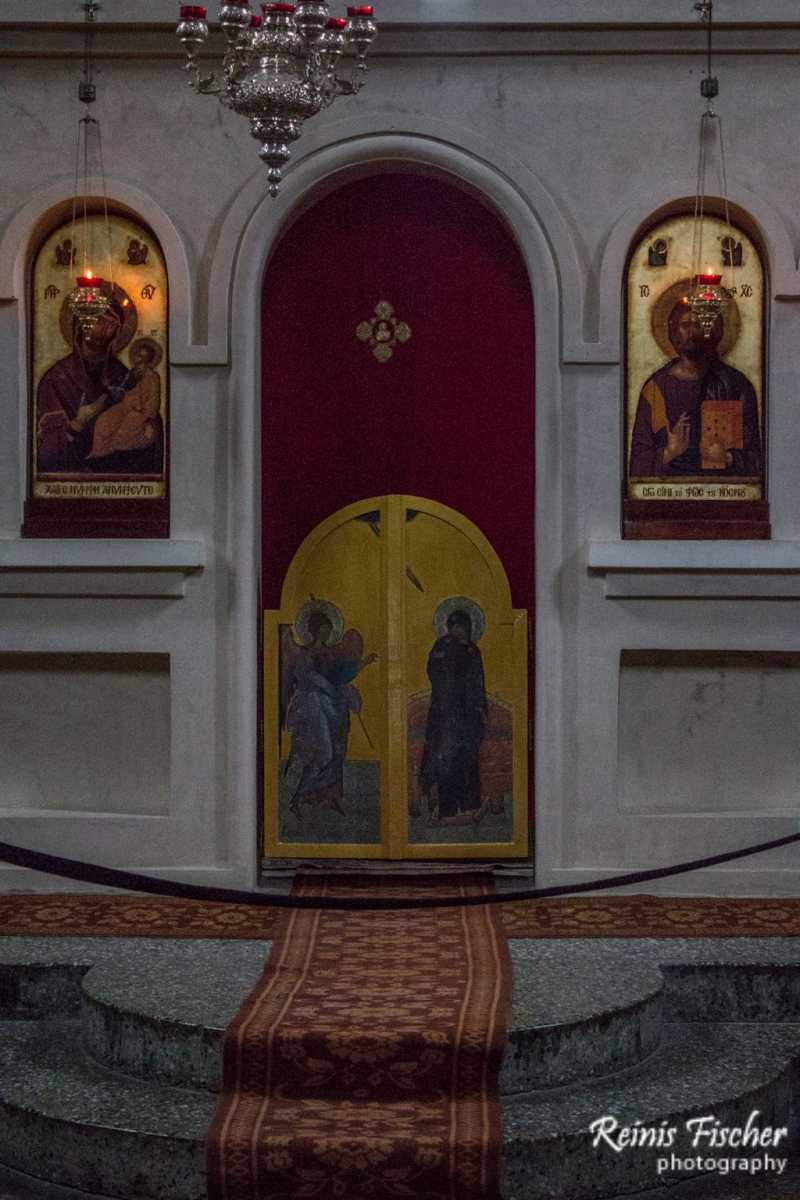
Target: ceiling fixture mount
[[279, 69]]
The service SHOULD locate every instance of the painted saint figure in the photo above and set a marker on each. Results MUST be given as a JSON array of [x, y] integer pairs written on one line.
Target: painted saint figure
[[131, 424], [317, 697], [696, 415], [456, 723], [74, 392]]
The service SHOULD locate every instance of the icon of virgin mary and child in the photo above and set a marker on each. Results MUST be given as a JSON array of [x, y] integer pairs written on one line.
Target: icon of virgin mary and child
[[94, 414], [317, 696]]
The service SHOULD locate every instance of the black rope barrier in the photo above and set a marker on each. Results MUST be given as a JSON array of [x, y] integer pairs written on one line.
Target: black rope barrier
[[70, 868]]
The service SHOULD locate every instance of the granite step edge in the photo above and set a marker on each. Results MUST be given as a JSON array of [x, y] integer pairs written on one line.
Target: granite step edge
[[133, 1030], [748, 1069], [47, 1129], [65, 1120]]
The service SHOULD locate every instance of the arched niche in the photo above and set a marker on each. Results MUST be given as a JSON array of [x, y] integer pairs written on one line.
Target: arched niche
[[694, 401], [397, 359], [97, 444]]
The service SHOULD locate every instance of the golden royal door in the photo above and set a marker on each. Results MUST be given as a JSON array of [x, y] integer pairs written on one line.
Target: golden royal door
[[395, 701]]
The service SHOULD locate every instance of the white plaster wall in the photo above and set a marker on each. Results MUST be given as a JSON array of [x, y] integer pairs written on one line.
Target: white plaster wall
[[679, 751], [85, 733], [575, 134]]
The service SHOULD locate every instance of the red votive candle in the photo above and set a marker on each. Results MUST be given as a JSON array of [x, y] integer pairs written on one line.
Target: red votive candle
[[336, 23], [708, 278], [89, 281], [360, 10], [193, 12], [271, 8], [255, 21]]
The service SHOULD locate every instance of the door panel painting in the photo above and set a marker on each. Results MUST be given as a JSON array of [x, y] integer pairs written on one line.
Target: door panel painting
[[395, 691], [324, 768], [465, 691]]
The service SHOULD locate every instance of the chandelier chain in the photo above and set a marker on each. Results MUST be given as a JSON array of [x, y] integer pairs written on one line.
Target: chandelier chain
[[91, 298], [105, 206], [708, 297]]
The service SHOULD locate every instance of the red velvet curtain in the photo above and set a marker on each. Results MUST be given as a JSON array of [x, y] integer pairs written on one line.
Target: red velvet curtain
[[450, 416]]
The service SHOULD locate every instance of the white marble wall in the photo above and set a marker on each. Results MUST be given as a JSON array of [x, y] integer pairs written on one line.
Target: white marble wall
[[576, 127]]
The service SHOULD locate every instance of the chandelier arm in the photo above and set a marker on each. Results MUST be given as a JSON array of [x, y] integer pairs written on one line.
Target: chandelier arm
[[340, 87], [279, 71], [235, 64], [203, 85], [313, 72]]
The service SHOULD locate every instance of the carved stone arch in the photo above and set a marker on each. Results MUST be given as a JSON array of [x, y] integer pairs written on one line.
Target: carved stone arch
[[34, 220], [753, 211], [511, 189], [547, 242]]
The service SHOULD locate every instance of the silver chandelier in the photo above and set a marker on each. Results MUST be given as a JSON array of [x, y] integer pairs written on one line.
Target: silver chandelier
[[278, 70]]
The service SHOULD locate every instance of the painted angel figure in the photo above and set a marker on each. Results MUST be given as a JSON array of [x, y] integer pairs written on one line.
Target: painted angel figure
[[317, 695]]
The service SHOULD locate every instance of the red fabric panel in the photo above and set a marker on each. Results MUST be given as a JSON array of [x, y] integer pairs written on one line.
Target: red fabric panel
[[449, 417]]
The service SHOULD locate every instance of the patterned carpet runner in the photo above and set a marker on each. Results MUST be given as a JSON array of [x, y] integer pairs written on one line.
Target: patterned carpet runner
[[364, 1064], [101, 915]]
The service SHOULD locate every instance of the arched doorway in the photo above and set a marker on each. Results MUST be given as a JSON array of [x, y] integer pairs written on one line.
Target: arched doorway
[[398, 360]]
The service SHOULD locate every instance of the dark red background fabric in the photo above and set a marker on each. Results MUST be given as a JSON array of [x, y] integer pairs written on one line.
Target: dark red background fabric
[[450, 417]]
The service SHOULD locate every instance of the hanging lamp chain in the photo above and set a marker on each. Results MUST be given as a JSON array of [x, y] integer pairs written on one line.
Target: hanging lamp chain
[[87, 92], [708, 297], [92, 297]]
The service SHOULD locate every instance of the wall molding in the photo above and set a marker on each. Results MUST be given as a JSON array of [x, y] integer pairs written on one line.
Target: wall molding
[[697, 570], [122, 567]]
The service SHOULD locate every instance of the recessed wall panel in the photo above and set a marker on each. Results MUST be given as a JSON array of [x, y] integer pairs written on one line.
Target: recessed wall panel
[[85, 733], [709, 732]]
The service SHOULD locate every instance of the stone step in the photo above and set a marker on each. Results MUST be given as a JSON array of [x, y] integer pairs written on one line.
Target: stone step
[[582, 1008], [166, 1024], [578, 1015], [726, 1070], [732, 991], [16, 1186], [65, 1119]]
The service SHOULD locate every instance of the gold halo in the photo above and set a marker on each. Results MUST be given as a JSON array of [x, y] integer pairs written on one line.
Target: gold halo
[[453, 604], [127, 329], [302, 632], [158, 349], [663, 306]]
